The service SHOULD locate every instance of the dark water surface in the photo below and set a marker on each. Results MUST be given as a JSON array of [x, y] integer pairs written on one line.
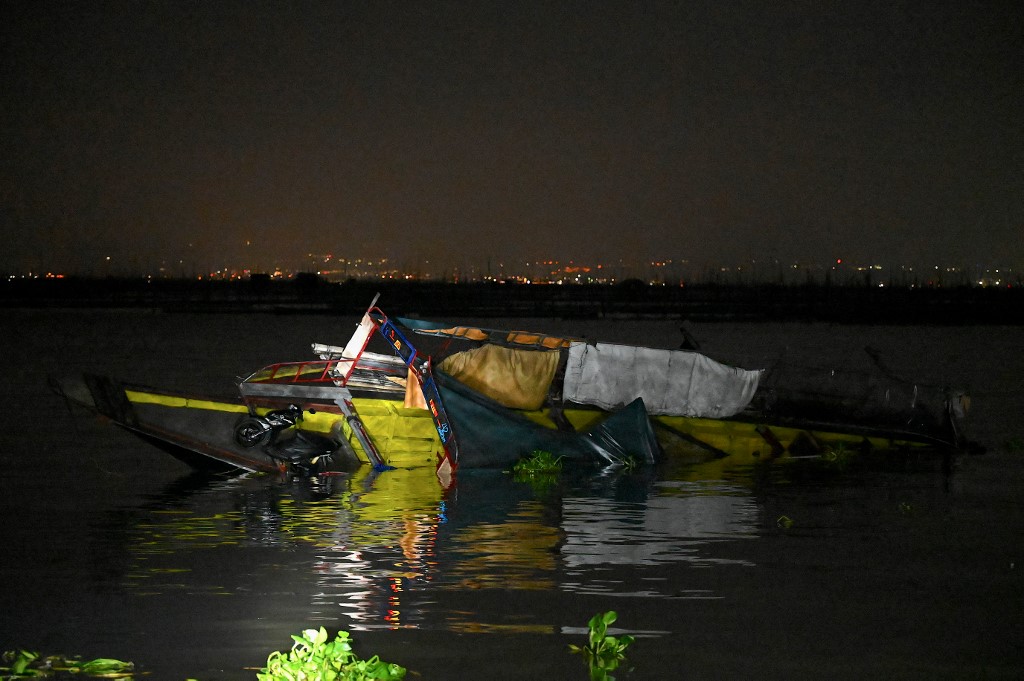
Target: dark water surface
[[112, 548]]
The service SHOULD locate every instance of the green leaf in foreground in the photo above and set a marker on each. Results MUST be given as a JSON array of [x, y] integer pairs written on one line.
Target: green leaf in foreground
[[106, 667], [26, 664], [314, 658], [19, 660], [603, 652]]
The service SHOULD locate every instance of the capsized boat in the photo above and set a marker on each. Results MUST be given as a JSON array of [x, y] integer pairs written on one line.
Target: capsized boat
[[485, 398]]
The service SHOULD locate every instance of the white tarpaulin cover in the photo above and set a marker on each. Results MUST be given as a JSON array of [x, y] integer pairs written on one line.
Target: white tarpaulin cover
[[674, 382]]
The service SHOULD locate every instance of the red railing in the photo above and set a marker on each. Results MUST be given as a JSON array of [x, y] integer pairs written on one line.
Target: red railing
[[314, 371]]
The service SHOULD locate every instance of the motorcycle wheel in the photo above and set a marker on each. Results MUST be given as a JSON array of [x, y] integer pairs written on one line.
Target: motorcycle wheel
[[252, 431]]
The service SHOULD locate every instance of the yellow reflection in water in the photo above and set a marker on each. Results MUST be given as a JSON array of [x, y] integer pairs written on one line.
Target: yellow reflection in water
[[476, 627], [518, 554], [397, 510]]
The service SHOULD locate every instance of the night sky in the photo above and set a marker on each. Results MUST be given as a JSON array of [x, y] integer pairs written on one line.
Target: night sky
[[207, 134]]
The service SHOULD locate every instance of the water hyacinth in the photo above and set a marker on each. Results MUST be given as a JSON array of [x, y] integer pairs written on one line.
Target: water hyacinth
[[314, 658], [538, 463], [604, 653], [29, 664]]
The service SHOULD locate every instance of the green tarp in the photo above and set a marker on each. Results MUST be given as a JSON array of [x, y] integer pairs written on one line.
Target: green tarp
[[490, 434]]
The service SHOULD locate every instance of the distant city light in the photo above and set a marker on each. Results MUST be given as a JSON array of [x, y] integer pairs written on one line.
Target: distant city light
[[334, 268]]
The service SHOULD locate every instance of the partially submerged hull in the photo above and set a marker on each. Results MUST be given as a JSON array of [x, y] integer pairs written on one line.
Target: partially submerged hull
[[203, 430], [194, 428], [200, 430], [511, 394]]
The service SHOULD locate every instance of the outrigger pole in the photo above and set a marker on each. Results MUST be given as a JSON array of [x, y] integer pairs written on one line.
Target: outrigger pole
[[424, 375], [344, 401], [349, 356], [375, 319]]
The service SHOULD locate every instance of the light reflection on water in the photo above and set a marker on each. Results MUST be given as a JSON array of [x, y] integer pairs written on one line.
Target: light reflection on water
[[382, 550], [678, 524]]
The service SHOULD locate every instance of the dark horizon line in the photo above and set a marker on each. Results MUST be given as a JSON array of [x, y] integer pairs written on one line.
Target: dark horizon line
[[710, 302], [843, 279]]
